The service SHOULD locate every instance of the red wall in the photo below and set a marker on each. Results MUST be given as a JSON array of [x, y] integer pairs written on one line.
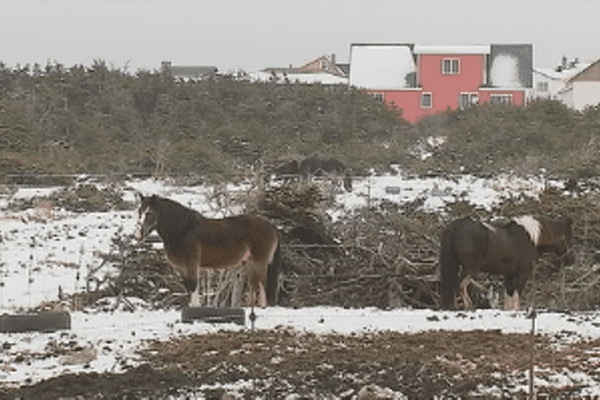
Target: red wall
[[517, 96], [446, 88], [408, 100]]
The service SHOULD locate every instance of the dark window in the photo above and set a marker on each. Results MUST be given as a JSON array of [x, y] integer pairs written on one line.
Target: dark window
[[426, 100], [377, 96], [450, 66], [467, 100], [500, 99]]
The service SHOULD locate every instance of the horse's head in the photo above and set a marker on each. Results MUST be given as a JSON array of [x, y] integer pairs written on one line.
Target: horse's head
[[559, 240], [147, 217]]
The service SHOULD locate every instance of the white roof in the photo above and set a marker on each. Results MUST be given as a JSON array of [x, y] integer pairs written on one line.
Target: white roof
[[380, 66], [319, 77], [562, 75], [470, 49]]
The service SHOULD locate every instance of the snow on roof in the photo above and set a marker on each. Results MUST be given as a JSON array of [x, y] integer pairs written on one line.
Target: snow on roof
[[467, 49], [586, 66], [562, 75], [504, 72], [323, 78], [381, 66]]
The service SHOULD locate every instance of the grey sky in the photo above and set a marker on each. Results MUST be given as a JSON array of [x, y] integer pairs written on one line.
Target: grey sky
[[254, 34]]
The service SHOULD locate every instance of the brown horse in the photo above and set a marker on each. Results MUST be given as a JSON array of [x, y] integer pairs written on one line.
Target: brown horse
[[192, 241], [508, 250]]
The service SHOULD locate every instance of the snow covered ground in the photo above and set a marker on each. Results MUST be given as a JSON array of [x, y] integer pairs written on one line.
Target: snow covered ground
[[106, 341], [43, 249]]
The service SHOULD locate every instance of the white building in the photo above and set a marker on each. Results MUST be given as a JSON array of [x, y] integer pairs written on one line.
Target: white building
[[549, 82], [583, 89], [575, 84], [189, 73], [321, 70]]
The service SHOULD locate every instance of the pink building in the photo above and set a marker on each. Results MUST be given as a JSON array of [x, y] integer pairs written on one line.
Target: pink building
[[427, 80]]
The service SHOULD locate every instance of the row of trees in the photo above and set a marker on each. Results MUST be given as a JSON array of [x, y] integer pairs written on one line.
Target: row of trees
[[99, 119]]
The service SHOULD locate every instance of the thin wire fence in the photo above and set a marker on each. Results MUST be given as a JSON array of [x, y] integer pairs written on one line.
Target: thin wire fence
[[375, 246]]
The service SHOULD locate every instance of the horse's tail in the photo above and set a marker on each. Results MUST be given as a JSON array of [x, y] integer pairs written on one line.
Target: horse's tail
[[272, 288], [448, 267]]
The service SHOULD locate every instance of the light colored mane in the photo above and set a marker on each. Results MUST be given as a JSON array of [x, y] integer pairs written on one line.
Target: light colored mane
[[532, 226]]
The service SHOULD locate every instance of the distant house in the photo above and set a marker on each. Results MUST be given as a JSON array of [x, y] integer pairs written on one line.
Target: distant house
[[427, 80], [323, 70], [583, 88], [549, 82], [185, 73]]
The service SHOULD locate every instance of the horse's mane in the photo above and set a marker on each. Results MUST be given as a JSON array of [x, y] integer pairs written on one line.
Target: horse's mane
[[531, 225], [174, 219]]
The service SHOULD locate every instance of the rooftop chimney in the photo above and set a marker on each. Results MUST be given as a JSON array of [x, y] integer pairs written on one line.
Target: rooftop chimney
[[165, 65]]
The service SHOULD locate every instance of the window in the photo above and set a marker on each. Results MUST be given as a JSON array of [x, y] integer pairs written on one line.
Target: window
[[467, 100], [542, 86], [426, 100], [500, 99], [377, 96], [450, 66]]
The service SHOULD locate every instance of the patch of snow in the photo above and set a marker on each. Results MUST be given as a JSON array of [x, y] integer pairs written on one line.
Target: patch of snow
[[38, 256], [115, 336], [380, 66], [505, 72], [436, 192], [28, 193], [450, 49], [306, 78]]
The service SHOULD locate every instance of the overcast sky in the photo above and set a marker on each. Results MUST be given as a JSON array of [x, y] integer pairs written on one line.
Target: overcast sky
[[254, 34]]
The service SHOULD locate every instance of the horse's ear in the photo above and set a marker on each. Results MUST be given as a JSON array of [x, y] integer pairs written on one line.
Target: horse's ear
[[140, 196]]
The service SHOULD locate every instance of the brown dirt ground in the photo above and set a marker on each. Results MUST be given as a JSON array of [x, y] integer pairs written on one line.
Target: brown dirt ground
[[283, 362]]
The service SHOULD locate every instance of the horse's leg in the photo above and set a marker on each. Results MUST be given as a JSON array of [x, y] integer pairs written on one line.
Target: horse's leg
[[508, 301], [512, 302], [254, 283], [512, 284], [190, 281], [195, 295], [262, 295], [192, 275], [464, 293], [256, 274], [521, 280], [208, 275], [195, 298], [258, 295], [516, 301]]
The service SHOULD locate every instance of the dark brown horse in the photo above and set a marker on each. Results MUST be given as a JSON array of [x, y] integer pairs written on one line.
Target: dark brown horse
[[508, 250], [192, 241]]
